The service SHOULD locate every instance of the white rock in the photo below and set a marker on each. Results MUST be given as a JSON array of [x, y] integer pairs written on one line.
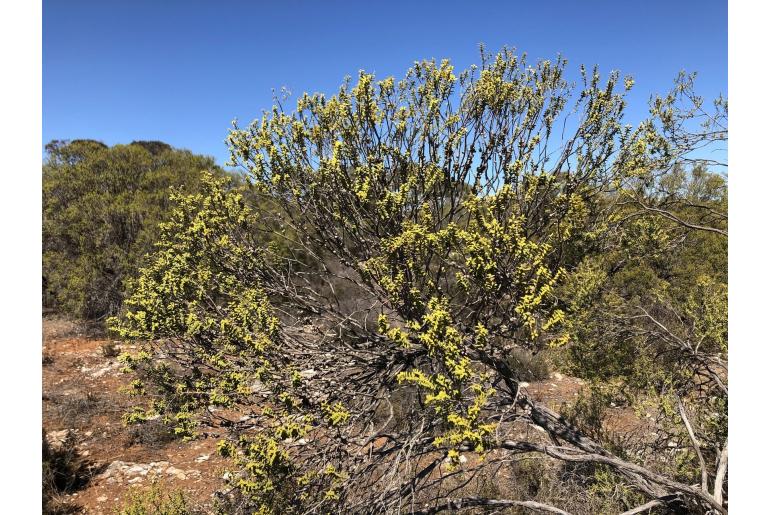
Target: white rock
[[202, 458], [56, 438], [177, 473], [523, 384], [118, 470], [112, 469], [308, 374], [133, 470]]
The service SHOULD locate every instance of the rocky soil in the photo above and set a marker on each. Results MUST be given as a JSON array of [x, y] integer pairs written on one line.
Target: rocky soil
[[81, 395]]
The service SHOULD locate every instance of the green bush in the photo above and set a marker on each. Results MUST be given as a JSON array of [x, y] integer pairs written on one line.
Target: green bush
[[467, 245], [100, 208], [158, 500]]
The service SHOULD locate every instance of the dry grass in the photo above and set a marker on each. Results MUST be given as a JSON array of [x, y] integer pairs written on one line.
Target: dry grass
[[76, 411], [150, 434], [60, 327], [64, 471]]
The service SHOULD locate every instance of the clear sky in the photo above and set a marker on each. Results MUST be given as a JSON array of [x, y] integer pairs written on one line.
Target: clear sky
[[180, 71]]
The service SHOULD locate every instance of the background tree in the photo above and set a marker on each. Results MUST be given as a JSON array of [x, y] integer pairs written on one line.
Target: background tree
[[651, 308], [685, 178], [100, 208]]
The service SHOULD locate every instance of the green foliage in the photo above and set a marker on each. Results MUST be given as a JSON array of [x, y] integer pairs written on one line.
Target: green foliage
[[100, 208], [270, 476], [201, 300], [608, 490], [202, 286], [653, 277], [435, 190], [471, 235], [649, 315], [157, 500]]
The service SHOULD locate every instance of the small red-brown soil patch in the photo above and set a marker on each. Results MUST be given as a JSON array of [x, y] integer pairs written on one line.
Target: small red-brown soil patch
[[559, 391], [556, 390]]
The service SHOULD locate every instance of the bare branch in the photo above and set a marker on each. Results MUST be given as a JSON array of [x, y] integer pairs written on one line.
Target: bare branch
[[477, 502], [721, 473], [703, 471]]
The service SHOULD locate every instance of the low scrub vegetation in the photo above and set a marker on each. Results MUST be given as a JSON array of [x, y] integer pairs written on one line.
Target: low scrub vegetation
[[101, 206], [150, 433], [76, 411], [158, 499], [110, 349]]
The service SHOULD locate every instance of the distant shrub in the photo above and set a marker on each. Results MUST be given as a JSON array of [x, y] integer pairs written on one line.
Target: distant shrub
[[57, 327], [157, 500], [150, 433], [77, 410], [100, 208]]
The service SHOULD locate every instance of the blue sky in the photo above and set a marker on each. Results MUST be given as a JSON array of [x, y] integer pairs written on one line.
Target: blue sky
[[180, 71]]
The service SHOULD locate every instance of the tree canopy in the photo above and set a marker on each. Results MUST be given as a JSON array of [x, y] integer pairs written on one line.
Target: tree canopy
[[100, 208]]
